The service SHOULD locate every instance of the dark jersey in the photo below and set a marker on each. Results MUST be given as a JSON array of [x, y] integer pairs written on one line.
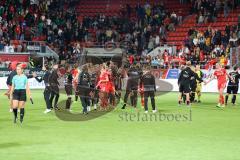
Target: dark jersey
[[10, 77], [93, 78], [133, 75], [53, 78], [69, 79], [133, 79], [235, 76], [45, 78], [114, 71], [84, 79], [118, 79], [148, 82], [194, 82], [139, 71], [186, 75]]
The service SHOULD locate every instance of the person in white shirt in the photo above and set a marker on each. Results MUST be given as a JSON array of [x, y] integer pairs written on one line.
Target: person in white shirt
[[157, 40]]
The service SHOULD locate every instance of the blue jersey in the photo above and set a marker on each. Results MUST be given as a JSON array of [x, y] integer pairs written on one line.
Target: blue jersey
[[19, 82]]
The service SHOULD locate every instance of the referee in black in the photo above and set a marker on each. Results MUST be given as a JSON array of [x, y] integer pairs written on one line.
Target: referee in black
[[233, 85], [148, 83], [184, 81], [47, 90]]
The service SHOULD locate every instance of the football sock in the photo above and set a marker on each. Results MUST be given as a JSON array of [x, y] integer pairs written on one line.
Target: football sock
[[234, 99], [68, 103], [222, 99], [179, 102], [199, 96], [184, 98], [192, 97], [226, 99], [15, 111], [21, 114]]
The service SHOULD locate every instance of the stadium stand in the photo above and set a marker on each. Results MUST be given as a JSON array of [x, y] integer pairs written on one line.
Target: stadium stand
[[201, 30]]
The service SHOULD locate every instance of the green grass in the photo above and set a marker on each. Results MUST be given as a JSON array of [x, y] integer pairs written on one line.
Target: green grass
[[213, 134]]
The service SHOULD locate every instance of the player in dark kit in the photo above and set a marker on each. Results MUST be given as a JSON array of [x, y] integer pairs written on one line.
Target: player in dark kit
[[112, 78], [132, 86], [47, 90], [9, 81], [148, 84], [233, 85], [83, 88], [68, 86], [118, 84], [94, 91], [193, 86], [54, 86], [184, 82]]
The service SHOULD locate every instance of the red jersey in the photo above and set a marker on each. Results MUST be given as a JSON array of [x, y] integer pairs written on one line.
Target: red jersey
[[166, 57], [111, 86], [221, 75], [131, 59], [75, 72], [104, 86]]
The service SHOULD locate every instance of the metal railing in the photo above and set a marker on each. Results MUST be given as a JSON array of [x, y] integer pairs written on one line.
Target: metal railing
[[28, 47]]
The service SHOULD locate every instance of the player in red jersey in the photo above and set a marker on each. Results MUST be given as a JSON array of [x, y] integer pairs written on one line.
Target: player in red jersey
[[103, 85], [75, 73], [221, 74]]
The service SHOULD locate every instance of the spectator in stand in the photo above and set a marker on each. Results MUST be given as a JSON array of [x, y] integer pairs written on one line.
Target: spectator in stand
[[162, 32], [151, 43], [226, 8], [238, 20], [200, 19], [50, 21], [155, 63], [1, 46], [157, 41]]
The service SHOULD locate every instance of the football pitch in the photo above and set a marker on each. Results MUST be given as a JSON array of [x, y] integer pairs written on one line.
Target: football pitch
[[202, 132]]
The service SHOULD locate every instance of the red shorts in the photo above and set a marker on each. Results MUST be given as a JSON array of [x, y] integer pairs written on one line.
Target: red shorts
[[104, 87], [111, 88], [221, 85]]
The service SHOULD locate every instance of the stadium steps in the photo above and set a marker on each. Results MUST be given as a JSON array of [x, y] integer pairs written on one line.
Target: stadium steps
[[91, 8], [177, 37]]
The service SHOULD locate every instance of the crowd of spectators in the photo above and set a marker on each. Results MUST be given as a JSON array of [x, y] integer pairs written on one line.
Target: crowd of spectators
[[212, 43], [143, 27], [200, 47], [54, 21], [147, 30], [208, 10]]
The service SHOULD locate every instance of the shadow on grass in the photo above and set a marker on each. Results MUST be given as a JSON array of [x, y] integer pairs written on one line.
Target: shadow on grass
[[9, 145], [66, 115]]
